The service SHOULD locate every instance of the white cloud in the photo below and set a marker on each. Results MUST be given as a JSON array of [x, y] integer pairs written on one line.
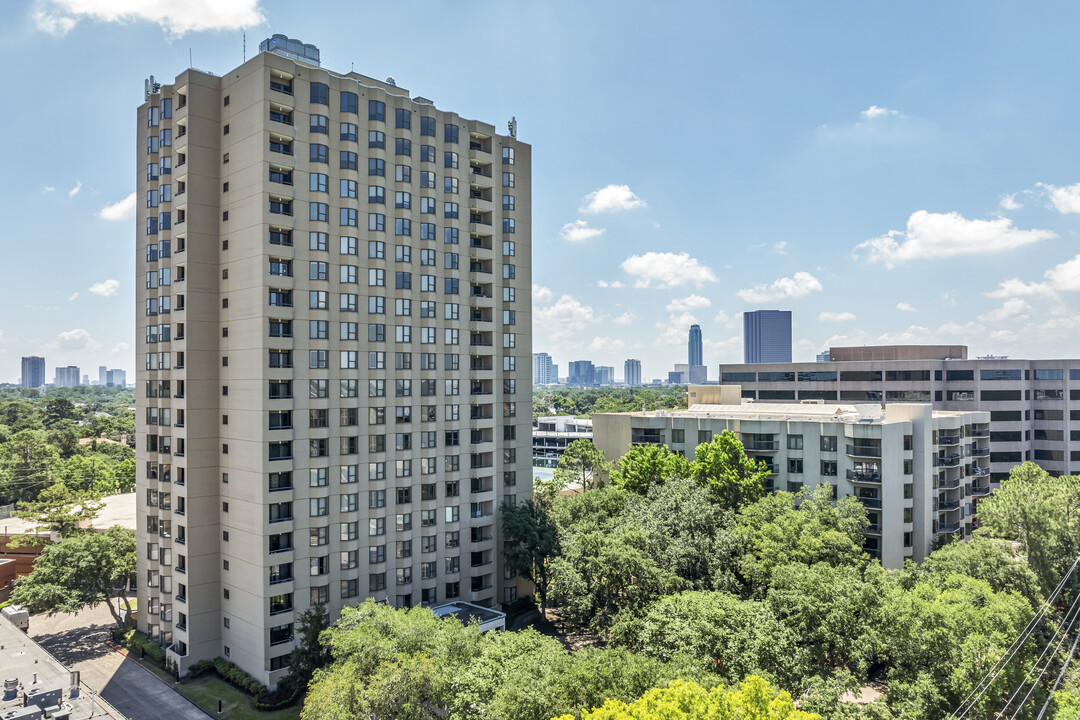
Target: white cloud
[[836, 317], [1065, 199], [875, 112], [690, 302], [913, 335], [667, 270], [105, 289], [541, 294], [1008, 202], [1066, 276], [565, 317], [1003, 336], [606, 343], [75, 190], [121, 210], [579, 231], [1012, 309], [176, 17], [941, 235], [731, 321], [46, 189], [121, 347], [611, 199], [1015, 287], [968, 328], [71, 340], [74, 296], [613, 284], [905, 307], [624, 319], [797, 286], [780, 248], [674, 331]]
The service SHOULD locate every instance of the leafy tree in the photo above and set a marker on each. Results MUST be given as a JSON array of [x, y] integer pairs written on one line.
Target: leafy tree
[[26, 461], [991, 560], [644, 466], [60, 509], [582, 464], [125, 476], [57, 410], [754, 699], [1043, 514], [724, 467], [941, 638], [310, 653], [21, 415], [63, 435], [1067, 706], [81, 571], [529, 542]]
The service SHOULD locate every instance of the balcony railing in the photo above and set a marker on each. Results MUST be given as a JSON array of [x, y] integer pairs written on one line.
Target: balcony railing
[[948, 440], [864, 450], [762, 445], [980, 490], [948, 528], [979, 471], [947, 505], [948, 484], [864, 476], [980, 433], [873, 529], [980, 452], [951, 460], [870, 502]]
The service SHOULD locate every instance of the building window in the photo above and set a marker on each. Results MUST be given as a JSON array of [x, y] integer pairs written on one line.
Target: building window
[[795, 465]]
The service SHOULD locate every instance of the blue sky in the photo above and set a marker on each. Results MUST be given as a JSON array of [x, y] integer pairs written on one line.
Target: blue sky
[[888, 171]]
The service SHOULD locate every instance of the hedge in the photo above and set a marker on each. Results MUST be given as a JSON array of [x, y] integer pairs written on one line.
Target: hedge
[[230, 673]]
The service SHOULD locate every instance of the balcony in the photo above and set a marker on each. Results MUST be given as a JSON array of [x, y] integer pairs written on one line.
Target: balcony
[[979, 471], [980, 433], [948, 440], [980, 490], [762, 445], [950, 460], [646, 437], [948, 484], [861, 450], [980, 452], [948, 528], [870, 502], [864, 476], [948, 505], [872, 529]]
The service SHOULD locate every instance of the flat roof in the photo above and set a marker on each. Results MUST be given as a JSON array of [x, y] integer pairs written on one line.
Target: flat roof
[[810, 412]]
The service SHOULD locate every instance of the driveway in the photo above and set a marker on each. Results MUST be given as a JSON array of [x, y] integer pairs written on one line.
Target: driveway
[[78, 641]]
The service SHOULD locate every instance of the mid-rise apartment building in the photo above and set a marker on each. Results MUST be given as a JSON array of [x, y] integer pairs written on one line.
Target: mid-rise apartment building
[[552, 435], [1034, 405], [919, 472], [334, 331]]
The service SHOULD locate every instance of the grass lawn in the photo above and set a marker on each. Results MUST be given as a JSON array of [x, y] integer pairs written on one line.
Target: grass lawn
[[205, 692]]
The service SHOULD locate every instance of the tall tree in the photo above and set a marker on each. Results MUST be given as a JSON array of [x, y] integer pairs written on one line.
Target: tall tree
[[26, 462], [60, 509], [644, 466], [1043, 514], [583, 464], [722, 465], [81, 571], [310, 652], [529, 542]]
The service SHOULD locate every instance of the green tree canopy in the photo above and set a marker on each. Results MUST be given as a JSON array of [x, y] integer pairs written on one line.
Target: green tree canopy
[[723, 466], [581, 465], [1043, 514], [26, 463], [530, 540], [80, 571], [644, 466]]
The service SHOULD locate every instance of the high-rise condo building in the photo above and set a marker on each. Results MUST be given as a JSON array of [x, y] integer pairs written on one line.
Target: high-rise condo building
[[632, 372], [545, 372], [582, 372], [103, 375], [767, 336], [333, 395], [693, 346], [67, 376], [33, 372]]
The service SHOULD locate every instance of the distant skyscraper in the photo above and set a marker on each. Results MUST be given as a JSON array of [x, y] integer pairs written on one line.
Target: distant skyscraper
[[582, 372], [33, 372], [694, 346], [605, 375], [116, 378], [67, 376], [545, 372], [632, 372], [103, 375], [767, 336]]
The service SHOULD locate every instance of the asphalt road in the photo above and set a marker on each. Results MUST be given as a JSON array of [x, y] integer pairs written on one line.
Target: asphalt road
[[78, 641]]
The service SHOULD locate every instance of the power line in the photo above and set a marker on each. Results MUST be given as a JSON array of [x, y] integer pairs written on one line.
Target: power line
[[1057, 682]]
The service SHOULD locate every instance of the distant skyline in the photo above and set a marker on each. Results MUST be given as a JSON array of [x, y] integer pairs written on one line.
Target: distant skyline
[[888, 172]]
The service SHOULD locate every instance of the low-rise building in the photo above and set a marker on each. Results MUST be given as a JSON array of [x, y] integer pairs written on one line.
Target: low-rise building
[[918, 471], [552, 435]]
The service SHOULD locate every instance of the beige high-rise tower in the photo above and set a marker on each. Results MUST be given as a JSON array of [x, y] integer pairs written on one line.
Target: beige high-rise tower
[[334, 313]]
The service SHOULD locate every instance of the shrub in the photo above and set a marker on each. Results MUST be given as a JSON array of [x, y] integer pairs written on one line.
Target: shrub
[[200, 668], [276, 699]]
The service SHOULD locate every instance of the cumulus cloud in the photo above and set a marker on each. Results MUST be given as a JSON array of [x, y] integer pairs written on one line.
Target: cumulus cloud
[[1065, 276], [75, 190], [541, 294], [799, 285], [836, 317], [120, 210], [913, 335], [107, 288], [1064, 199], [601, 344], [613, 284], [176, 17], [1013, 309], [730, 321], [74, 296], [1008, 202], [46, 189], [624, 319], [1015, 287], [941, 235], [667, 270], [905, 307], [579, 231], [674, 331], [875, 112], [968, 328], [1003, 336], [121, 347], [612, 198], [564, 317], [71, 340], [780, 248], [689, 302]]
